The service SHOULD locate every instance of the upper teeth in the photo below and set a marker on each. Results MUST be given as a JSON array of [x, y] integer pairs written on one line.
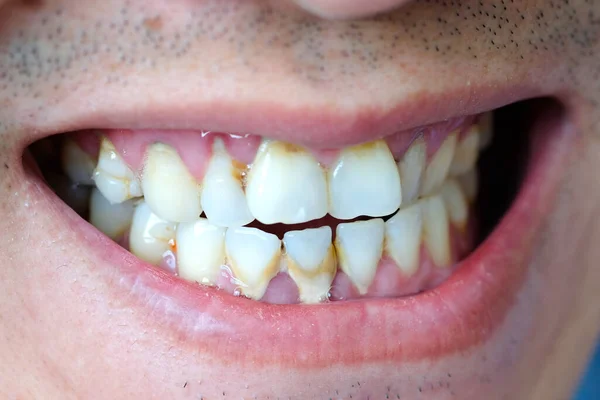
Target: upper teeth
[[113, 177]]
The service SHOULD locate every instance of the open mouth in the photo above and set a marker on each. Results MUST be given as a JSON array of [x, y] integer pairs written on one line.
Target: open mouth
[[384, 234]]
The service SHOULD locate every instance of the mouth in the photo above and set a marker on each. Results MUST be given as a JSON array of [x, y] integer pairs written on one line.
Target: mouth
[[403, 247]]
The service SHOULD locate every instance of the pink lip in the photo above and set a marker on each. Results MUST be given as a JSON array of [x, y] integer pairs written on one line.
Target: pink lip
[[461, 313]]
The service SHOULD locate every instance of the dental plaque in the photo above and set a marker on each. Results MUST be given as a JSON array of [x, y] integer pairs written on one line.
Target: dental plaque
[[279, 222]]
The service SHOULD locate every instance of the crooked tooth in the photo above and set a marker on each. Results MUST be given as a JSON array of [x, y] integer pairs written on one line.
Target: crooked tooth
[[411, 168], [200, 251], [436, 230], [111, 219], [310, 259], [286, 185], [486, 124], [456, 203], [467, 150], [223, 198], [253, 256], [469, 183], [113, 177], [364, 181], [151, 236], [403, 234], [77, 164], [169, 189], [359, 246], [439, 166]]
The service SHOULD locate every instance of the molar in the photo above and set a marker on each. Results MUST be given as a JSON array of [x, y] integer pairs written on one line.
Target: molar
[[439, 166], [403, 234], [278, 182], [254, 257], [151, 236], [111, 219], [364, 181], [113, 177], [169, 189], [456, 204], [223, 198], [359, 246], [436, 230], [200, 251], [77, 164], [469, 184], [311, 262]]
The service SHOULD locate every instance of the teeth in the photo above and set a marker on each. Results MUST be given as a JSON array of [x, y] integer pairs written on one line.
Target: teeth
[[169, 189], [486, 123], [223, 198], [151, 236], [200, 251], [438, 167], [466, 153], [113, 177], [111, 219], [77, 164], [456, 203], [364, 181], [286, 184], [403, 233], [311, 262], [359, 246], [411, 170], [436, 230], [469, 183], [254, 257]]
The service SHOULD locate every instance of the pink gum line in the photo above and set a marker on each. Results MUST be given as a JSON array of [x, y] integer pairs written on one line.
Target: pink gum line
[[195, 148]]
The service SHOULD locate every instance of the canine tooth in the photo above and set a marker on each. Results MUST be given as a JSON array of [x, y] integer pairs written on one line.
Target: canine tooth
[[364, 181], [466, 153], [150, 236], [111, 219], [486, 128], [113, 177], [223, 198], [412, 167], [286, 184], [359, 246], [254, 257], [169, 189], [403, 233], [469, 183], [77, 164], [310, 259], [456, 203], [200, 251], [436, 230], [439, 166]]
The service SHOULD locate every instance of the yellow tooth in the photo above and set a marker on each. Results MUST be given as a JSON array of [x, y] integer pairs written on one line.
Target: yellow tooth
[[254, 257], [311, 262], [436, 230], [456, 204], [466, 153], [412, 168], [111, 219], [113, 177], [469, 184], [151, 236], [437, 170], [403, 234], [486, 128]]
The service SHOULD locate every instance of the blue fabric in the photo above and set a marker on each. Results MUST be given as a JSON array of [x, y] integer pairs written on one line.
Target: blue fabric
[[590, 385]]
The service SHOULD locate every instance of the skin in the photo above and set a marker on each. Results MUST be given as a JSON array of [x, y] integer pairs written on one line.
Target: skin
[[69, 331]]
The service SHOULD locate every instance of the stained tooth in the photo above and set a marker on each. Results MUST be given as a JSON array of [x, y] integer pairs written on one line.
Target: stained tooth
[[437, 170], [469, 183], [111, 219], [456, 203], [286, 184], [486, 124], [403, 234], [436, 230], [364, 181], [223, 198], [467, 150], [200, 251], [113, 177], [310, 258], [412, 167], [359, 246], [254, 257], [151, 236], [169, 189], [77, 164]]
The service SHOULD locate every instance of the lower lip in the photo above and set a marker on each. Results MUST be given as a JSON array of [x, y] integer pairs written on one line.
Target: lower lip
[[463, 312]]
